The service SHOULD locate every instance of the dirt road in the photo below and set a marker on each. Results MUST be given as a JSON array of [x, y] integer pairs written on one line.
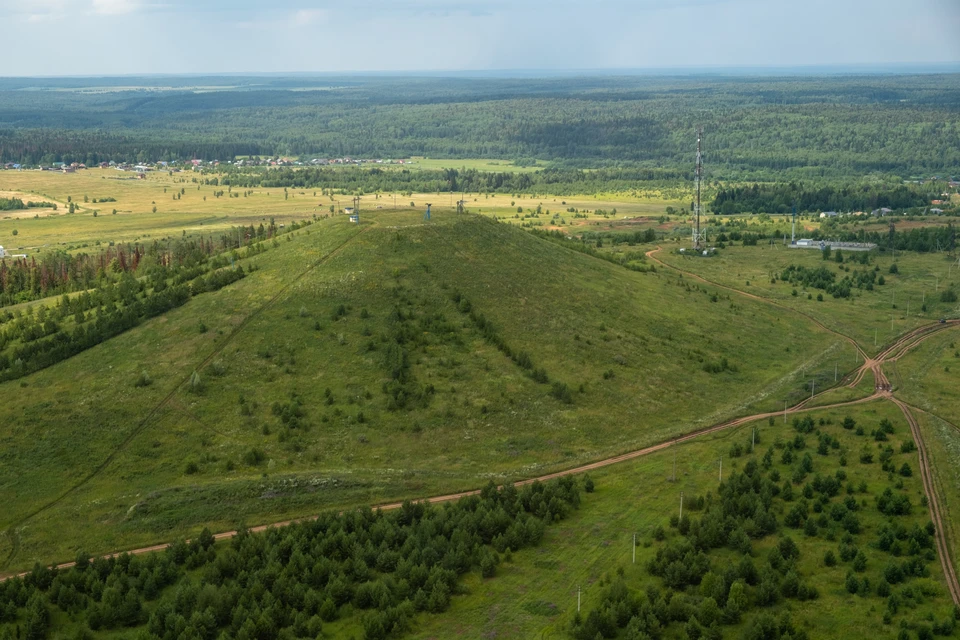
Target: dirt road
[[883, 392]]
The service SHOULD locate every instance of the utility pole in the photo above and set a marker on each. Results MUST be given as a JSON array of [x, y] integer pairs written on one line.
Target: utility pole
[[681, 505], [813, 386], [784, 412], [578, 598]]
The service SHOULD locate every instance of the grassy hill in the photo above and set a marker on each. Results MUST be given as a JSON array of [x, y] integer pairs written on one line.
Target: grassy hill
[[362, 364]]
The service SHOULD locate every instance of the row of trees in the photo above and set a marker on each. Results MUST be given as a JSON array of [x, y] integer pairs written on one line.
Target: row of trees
[[293, 581], [807, 197]]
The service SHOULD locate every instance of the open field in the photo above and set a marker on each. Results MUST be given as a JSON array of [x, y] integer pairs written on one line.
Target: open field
[[479, 164], [467, 413], [926, 378], [872, 318], [197, 210]]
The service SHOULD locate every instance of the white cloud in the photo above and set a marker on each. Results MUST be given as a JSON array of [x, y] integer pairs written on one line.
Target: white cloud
[[115, 7], [310, 17]]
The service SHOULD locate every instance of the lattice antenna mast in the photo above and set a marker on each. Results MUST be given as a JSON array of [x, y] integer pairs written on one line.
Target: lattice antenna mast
[[698, 235]]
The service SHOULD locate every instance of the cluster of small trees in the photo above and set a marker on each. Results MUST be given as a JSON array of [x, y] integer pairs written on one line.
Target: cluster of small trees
[[290, 582], [826, 280], [703, 591]]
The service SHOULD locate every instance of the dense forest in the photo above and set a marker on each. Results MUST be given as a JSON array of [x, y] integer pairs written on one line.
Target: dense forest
[[781, 198], [755, 128]]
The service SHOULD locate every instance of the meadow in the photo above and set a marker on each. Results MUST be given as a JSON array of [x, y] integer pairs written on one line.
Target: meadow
[[871, 317], [535, 595], [344, 370], [184, 206], [926, 378]]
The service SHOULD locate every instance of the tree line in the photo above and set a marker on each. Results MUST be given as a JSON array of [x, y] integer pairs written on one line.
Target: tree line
[[381, 567], [756, 128]]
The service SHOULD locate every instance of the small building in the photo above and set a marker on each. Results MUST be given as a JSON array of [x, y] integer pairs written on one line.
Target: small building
[[936, 211], [68, 169], [355, 218], [882, 211], [828, 214], [3, 252], [348, 211]]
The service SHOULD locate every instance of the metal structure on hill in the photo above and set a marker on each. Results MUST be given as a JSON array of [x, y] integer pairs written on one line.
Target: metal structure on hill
[[699, 237], [793, 230]]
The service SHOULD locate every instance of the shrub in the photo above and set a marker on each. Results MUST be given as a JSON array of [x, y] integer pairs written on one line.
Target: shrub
[[143, 380]]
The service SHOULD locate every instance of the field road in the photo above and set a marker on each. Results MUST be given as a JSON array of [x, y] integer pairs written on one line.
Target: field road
[[883, 392]]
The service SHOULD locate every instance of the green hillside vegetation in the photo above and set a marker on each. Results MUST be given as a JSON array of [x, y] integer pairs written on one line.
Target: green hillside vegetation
[[868, 296], [927, 378], [833, 565], [324, 578], [820, 531], [355, 365]]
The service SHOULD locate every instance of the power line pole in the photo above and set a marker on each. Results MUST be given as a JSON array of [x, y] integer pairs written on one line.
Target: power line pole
[[721, 468], [578, 598], [681, 505]]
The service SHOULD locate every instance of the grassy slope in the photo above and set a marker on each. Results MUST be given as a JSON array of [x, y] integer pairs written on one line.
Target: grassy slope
[[927, 378], [535, 596], [858, 316], [571, 313]]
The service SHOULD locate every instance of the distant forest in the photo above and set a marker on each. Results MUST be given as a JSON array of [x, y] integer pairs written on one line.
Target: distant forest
[[755, 128]]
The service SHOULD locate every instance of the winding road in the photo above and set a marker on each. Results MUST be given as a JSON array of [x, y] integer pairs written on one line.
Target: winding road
[[883, 391]]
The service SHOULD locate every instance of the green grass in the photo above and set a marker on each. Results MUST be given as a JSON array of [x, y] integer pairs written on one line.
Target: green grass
[[577, 317], [535, 595], [927, 378], [865, 316]]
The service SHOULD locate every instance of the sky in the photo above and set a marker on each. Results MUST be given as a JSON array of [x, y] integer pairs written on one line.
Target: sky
[[118, 37]]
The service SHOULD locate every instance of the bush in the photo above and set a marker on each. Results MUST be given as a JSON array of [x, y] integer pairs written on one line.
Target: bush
[[254, 457], [143, 380], [561, 392]]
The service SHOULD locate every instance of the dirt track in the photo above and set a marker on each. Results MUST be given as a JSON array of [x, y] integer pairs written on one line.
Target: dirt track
[[883, 391]]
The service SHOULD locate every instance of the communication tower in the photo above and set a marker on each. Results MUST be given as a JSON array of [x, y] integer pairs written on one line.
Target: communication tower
[[699, 237], [793, 229]]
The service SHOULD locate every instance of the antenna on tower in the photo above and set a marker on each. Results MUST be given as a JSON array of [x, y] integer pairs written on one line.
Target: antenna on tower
[[698, 177], [793, 230]]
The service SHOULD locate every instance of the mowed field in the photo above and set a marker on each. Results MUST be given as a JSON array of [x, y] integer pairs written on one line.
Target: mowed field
[[312, 332]]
